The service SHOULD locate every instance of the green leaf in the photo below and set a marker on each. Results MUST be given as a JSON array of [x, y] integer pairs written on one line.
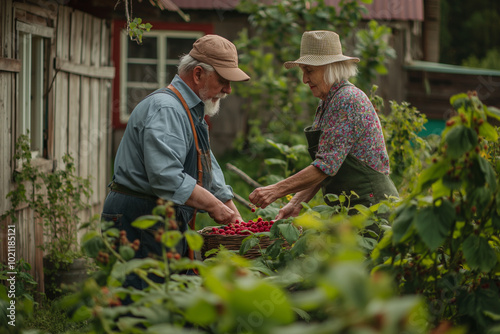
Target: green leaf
[[83, 313], [127, 253], [253, 296], [147, 221], [403, 223], [442, 187], [275, 162], [275, 248], [210, 252], [460, 139], [248, 243], [125, 324], [121, 270], [342, 199], [488, 131], [493, 112], [459, 100], [478, 253], [431, 174], [302, 314], [171, 238], [92, 246], [493, 316], [202, 313], [290, 232], [366, 243], [363, 210], [488, 171], [194, 240], [112, 232], [274, 232], [281, 147], [433, 223], [300, 246]]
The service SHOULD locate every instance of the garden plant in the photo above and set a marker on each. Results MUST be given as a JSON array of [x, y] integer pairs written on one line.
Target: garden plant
[[57, 199], [432, 264]]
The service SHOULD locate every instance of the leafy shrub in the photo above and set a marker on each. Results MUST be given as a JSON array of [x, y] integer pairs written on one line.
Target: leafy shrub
[[444, 241]]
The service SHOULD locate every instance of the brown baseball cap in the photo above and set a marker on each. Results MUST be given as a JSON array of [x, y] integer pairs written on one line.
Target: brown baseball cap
[[221, 54]]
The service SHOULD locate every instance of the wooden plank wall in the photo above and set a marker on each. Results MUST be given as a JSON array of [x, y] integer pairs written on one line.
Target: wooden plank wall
[[7, 80], [79, 103], [82, 101]]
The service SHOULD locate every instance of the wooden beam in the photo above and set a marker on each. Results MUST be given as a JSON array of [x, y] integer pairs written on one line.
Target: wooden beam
[[47, 9], [102, 72], [35, 29], [10, 65]]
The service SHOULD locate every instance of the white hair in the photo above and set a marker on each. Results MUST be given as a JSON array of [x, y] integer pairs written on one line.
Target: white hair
[[188, 63], [342, 70]]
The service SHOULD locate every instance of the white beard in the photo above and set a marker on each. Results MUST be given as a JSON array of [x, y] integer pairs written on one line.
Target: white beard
[[211, 107]]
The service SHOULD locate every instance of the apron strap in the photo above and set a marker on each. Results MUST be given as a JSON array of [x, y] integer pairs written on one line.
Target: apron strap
[[192, 222], [198, 151]]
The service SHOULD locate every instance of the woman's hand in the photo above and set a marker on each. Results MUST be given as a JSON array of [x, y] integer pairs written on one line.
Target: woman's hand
[[289, 210], [264, 196]]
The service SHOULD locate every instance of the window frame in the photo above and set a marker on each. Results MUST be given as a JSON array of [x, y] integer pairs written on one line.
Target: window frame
[[34, 41], [162, 31]]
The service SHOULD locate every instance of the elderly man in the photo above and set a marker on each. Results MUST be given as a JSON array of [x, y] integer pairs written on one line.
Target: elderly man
[[165, 150]]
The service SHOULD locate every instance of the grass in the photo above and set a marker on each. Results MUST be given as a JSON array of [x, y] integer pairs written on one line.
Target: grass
[[47, 318]]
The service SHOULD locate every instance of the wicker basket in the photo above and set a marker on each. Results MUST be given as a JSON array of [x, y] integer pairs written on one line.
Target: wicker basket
[[231, 242]]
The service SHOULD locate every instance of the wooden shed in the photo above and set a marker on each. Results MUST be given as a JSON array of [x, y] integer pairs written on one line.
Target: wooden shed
[[414, 24], [55, 82]]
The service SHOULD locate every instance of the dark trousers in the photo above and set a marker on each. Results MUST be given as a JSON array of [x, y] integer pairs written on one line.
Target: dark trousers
[[122, 210]]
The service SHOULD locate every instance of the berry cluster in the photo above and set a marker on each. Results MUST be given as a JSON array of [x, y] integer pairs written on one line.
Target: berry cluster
[[244, 228]]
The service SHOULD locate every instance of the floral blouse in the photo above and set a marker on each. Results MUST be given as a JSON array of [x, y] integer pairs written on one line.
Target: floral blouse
[[350, 125]]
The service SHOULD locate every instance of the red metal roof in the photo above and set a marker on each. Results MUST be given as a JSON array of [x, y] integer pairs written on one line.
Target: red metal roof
[[405, 10]]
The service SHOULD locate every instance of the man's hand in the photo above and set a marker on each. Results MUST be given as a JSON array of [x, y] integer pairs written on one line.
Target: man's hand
[[222, 214]]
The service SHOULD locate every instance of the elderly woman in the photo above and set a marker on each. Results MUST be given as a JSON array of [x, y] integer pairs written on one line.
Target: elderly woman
[[345, 140]]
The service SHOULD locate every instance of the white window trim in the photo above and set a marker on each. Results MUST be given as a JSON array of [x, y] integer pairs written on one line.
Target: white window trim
[[161, 61], [31, 48], [31, 88]]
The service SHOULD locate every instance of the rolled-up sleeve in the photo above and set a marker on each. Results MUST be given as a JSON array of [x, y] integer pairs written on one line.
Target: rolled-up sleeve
[[165, 145], [219, 189]]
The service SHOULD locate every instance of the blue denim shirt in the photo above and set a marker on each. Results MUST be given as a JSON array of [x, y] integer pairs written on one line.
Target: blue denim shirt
[[154, 148]]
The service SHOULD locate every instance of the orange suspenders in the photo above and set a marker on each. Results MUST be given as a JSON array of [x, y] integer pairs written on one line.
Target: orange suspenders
[[198, 151]]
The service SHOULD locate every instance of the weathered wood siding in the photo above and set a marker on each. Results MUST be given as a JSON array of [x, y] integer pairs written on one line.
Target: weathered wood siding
[[78, 102]]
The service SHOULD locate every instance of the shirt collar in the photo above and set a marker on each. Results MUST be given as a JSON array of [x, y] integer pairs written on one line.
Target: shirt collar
[[335, 87], [187, 93]]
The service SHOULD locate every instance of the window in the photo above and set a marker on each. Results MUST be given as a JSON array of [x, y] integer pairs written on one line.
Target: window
[[151, 65], [32, 116]]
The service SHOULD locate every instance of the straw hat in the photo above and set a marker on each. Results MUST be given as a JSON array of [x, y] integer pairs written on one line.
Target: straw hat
[[319, 48], [221, 54]]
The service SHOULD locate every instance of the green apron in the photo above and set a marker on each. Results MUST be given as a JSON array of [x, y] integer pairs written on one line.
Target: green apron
[[371, 185]]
